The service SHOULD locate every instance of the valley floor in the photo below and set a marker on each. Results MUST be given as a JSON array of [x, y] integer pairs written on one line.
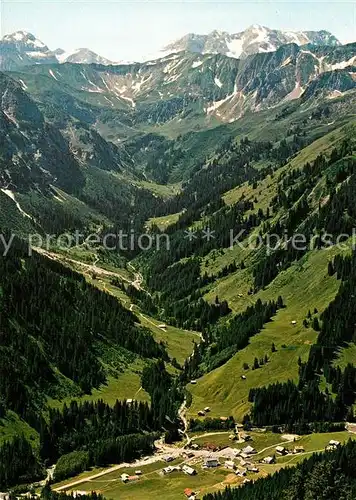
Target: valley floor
[[152, 480]]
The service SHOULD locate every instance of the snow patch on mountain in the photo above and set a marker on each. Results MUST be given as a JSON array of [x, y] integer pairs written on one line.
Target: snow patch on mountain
[[11, 118], [61, 55], [37, 55], [255, 39], [218, 82], [215, 105], [83, 56], [235, 48], [129, 99], [11, 195], [343, 64], [24, 86], [107, 99], [20, 35], [286, 62], [52, 75]]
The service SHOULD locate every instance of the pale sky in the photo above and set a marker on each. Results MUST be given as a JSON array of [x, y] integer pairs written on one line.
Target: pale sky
[[131, 30]]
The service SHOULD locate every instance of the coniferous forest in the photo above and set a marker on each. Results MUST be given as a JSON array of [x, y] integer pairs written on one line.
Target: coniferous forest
[[63, 324]]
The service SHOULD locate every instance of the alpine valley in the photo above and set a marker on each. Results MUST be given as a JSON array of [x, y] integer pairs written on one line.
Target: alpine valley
[[115, 359]]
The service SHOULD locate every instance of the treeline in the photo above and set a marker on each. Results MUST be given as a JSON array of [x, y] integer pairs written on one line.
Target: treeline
[[71, 465], [211, 424], [243, 326], [80, 436], [223, 341], [166, 397], [51, 317], [227, 222], [323, 476], [201, 199], [48, 494], [93, 427], [231, 166], [18, 463], [283, 403], [337, 330], [293, 404], [334, 217], [179, 296]]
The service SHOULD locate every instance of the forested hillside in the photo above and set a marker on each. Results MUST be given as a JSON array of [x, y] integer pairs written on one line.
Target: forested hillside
[[106, 352], [55, 330], [61, 326], [310, 194]]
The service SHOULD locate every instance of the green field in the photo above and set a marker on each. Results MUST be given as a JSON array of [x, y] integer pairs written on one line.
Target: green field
[[305, 285], [179, 342], [163, 222], [124, 386], [147, 487], [153, 481], [265, 442], [162, 190], [259, 441], [12, 426], [346, 355]]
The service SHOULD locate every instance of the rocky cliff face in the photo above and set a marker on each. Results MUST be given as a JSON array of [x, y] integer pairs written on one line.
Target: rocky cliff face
[[254, 40]]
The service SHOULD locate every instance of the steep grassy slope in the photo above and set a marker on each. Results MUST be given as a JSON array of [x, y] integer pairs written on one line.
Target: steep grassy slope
[[304, 286], [11, 426], [88, 350], [262, 194]]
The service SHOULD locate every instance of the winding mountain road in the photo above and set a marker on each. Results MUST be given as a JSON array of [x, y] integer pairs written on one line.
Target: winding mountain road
[[90, 267]]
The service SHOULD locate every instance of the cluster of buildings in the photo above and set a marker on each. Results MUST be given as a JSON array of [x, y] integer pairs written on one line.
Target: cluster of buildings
[[240, 436], [240, 470], [282, 451], [190, 471], [240, 461], [202, 413], [170, 469]]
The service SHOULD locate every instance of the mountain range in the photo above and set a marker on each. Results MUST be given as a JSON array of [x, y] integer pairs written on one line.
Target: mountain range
[[117, 117], [247, 136], [253, 40], [189, 87], [22, 48]]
